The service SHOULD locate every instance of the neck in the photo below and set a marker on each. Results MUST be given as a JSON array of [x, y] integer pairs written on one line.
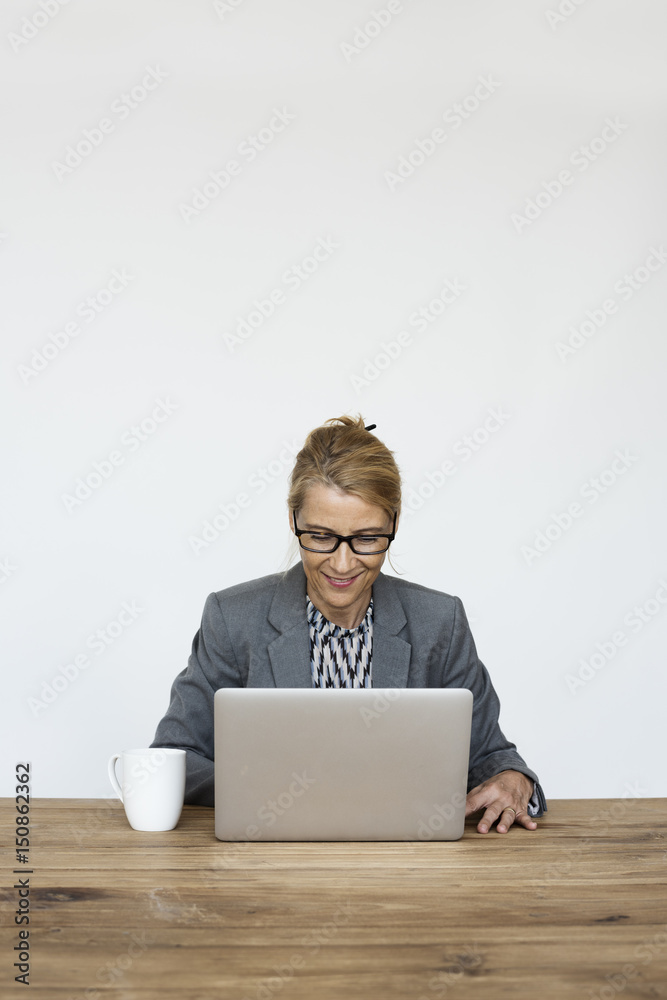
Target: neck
[[344, 617]]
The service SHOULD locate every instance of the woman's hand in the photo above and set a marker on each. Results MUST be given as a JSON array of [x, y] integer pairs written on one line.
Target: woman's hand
[[505, 798]]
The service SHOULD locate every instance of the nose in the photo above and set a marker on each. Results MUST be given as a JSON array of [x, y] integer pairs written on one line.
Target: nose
[[342, 560]]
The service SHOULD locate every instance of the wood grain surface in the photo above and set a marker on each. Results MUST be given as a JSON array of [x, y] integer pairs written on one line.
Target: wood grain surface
[[577, 908]]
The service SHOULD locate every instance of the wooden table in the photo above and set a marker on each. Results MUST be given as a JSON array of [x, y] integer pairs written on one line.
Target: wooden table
[[575, 909]]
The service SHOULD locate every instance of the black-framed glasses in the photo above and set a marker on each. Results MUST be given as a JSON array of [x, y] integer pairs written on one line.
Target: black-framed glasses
[[327, 541]]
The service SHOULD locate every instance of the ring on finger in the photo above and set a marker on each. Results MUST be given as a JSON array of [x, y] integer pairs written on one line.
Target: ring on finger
[[510, 809]]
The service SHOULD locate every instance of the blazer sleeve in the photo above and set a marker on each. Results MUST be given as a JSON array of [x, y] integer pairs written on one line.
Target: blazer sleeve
[[490, 751], [188, 722]]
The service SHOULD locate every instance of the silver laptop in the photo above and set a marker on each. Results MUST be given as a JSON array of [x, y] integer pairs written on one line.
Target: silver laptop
[[339, 764]]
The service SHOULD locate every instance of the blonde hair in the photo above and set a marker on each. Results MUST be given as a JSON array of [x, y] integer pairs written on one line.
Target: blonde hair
[[343, 454]]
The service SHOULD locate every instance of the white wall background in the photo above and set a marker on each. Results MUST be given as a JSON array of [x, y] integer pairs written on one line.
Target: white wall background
[[73, 386]]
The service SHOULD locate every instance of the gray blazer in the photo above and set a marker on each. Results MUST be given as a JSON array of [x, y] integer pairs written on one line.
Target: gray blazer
[[255, 634]]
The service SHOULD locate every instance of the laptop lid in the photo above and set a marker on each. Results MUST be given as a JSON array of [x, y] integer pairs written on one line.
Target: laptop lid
[[341, 764]]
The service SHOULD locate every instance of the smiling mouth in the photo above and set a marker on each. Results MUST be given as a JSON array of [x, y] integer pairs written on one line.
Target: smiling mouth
[[345, 582]]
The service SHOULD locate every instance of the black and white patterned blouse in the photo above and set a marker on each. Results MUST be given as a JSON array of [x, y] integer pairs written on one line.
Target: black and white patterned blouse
[[340, 657]]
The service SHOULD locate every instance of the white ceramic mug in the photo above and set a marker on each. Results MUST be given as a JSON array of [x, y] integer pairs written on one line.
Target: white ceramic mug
[[152, 786]]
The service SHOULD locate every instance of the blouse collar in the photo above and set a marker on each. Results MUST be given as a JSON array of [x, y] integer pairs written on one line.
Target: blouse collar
[[323, 625]]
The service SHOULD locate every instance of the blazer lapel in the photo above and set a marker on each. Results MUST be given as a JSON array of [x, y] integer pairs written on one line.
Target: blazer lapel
[[391, 655], [289, 653], [391, 660]]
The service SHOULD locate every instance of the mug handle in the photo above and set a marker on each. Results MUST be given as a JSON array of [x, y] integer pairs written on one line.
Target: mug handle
[[112, 776]]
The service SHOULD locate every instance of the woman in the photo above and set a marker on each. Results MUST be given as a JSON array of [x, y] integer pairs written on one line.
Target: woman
[[334, 620]]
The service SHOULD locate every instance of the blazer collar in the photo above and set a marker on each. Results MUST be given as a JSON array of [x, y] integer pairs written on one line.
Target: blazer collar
[[290, 651], [391, 655], [388, 611], [288, 607]]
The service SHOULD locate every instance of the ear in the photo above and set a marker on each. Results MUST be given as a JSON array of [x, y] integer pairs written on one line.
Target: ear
[[291, 521]]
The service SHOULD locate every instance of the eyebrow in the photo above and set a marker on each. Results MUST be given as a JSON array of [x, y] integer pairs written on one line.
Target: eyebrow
[[361, 531]]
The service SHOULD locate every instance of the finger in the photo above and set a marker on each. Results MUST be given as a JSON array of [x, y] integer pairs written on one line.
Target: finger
[[488, 819], [481, 798], [478, 798], [523, 819], [472, 805], [507, 817]]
